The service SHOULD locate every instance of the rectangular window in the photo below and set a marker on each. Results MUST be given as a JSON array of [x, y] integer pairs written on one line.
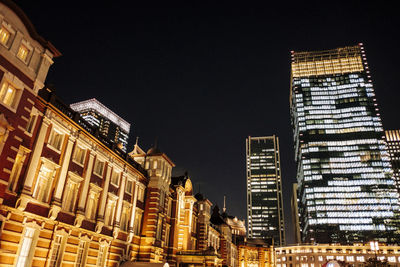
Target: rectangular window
[[124, 218], [91, 206], [81, 254], [27, 250], [98, 167], [23, 52], [8, 95], [71, 192], [79, 155], [129, 186], [115, 178], [169, 211], [31, 123], [110, 212], [16, 170], [55, 140], [43, 184], [167, 232], [56, 254], [138, 222], [140, 194], [4, 35], [159, 228], [101, 257]]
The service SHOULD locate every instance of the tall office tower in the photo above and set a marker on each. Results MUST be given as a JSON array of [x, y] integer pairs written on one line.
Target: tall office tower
[[295, 214], [346, 190], [264, 189], [393, 142], [110, 124]]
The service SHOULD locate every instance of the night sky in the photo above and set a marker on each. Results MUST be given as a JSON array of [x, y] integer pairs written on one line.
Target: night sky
[[201, 78]]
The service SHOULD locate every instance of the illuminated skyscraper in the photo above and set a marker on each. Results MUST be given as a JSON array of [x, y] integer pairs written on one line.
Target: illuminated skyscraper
[[393, 142], [264, 189], [346, 190], [110, 125]]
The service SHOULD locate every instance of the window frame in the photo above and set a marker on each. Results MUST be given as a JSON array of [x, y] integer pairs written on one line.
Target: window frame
[[32, 226], [72, 185], [24, 59], [4, 25], [118, 173], [74, 156], [31, 123], [132, 186], [140, 195], [50, 140], [103, 162], [15, 98]]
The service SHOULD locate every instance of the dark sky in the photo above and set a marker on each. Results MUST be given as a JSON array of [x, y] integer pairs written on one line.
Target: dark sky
[[203, 77]]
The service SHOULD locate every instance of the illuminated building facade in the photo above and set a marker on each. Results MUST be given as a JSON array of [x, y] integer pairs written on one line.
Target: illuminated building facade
[[346, 190], [264, 189], [295, 214], [69, 197], [256, 253], [318, 255], [109, 124], [393, 142]]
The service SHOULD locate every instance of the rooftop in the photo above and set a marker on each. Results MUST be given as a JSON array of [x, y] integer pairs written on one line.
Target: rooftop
[[94, 104]]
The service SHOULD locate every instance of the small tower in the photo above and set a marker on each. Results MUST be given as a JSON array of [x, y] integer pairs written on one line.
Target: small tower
[[159, 168]]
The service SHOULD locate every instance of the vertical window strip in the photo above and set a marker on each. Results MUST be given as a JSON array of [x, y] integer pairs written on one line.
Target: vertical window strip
[[26, 248]]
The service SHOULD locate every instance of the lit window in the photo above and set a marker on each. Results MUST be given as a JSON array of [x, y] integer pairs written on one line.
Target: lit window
[[101, 257], [44, 181], [115, 178], [23, 52], [79, 155], [129, 187], [81, 253], [125, 217], [8, 95], [31, 123], [167, 232], [92, 202], [4, 35], [138, 222], [55, 140], [56, 254], [98, 167], [140, 195], [110, 211], [27, 249], [17, 167], [159, 228], [71, 192]]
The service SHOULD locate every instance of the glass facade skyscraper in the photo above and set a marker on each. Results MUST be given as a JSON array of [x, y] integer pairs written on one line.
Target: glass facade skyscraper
[[264, 189], [346, 190], [110, 125], [393, 142]]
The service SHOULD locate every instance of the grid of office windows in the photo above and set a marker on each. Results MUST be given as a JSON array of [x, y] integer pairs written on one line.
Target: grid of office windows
[[393, 142], [264, 189], [109, 124], [347, 193]]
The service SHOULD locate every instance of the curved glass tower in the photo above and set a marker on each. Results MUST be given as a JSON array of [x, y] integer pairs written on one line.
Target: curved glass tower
[[346, 190]]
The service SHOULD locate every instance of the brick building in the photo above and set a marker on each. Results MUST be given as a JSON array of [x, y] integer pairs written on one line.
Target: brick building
[[70, 197]]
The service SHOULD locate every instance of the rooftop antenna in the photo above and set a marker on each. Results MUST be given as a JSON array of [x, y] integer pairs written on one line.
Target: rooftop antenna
[[156, 142], [224, 209]]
